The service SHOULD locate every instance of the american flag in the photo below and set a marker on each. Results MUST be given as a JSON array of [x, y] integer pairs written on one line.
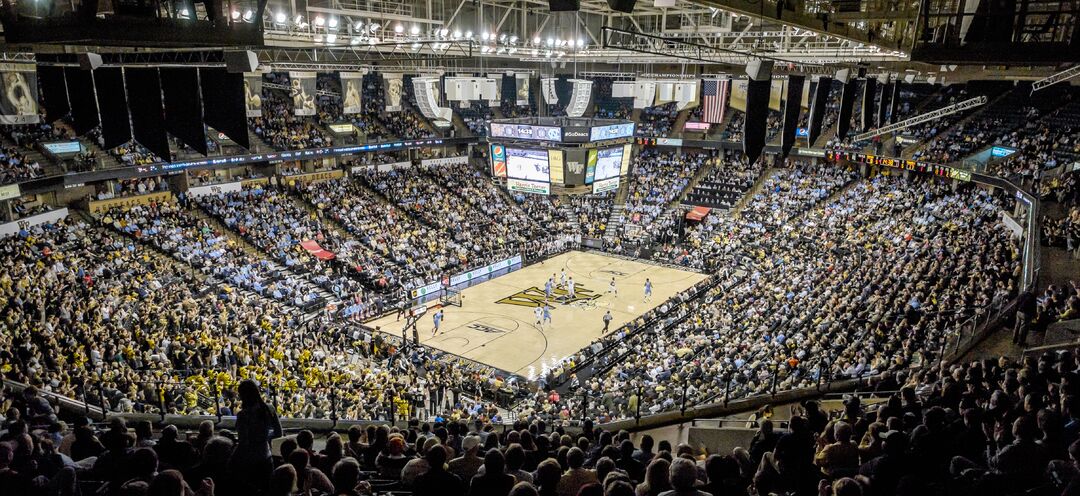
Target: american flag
[[713, 100]]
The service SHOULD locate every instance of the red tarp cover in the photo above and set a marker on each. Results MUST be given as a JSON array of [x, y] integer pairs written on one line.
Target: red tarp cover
[[313, 247], [698, 213]]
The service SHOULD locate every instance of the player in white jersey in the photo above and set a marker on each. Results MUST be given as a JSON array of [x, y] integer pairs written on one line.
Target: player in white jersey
[[611, 287], [562, 278], [539, 315], [570, 288]]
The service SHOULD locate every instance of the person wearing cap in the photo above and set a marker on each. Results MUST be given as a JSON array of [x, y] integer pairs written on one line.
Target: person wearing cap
[[466, 465]]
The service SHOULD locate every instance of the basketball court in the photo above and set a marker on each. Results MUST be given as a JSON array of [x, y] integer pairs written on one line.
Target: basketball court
[[496, 324]]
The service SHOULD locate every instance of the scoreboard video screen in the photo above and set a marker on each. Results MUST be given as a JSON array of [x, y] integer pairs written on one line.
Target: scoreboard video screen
[[608, 162], [529, 165]]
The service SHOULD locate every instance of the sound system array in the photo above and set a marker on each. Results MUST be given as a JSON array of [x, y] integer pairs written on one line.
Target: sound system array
[[792, 109]]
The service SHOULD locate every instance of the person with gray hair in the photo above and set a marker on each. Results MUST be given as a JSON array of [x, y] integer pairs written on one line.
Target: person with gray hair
[[683, 477]]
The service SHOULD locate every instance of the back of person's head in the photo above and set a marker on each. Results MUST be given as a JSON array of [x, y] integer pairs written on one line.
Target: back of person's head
[[663, 445], [647, 443], [355, 433], [591, 489], [206, 428], [656, 474], [435, 457], [299, 459], [305, 439], [283, 480], [842, 432], [575, 458], [217, 451], [494, 463], [287, 447], [515, 457], [144, 429], [143, 462], [171, 433], [548, 473], [847, 487], [346, 474], [249, 393], [682, 474], [604, 466], [718, 468], [619, 488], [766, 426], [167, 483], [626, 448], [523, 489]]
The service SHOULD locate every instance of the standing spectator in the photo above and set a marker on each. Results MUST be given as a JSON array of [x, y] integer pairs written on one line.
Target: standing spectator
[[256, 424]]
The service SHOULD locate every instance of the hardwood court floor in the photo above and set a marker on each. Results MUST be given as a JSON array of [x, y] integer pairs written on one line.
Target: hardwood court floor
[[496, 325]]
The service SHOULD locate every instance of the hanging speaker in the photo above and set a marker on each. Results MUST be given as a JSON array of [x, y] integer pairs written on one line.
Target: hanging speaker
[[759, 70], [564, 5], [626, 6], [843, 75], [238, 62], [89, 61]]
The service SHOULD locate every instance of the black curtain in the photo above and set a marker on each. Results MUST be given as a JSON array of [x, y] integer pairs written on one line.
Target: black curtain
[[147, 112], [84, 111], [757, 112], [183, 107], [895, 101], [869, 91], [112, 106], [817, 109], [53, 92], [223, 103], [883, 103], [847, 103], [791, 113]]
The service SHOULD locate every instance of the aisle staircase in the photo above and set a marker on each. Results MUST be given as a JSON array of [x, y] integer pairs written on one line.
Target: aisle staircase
[[569, 217], [614, 223], [48, 166], [104, 158], [701, 172]]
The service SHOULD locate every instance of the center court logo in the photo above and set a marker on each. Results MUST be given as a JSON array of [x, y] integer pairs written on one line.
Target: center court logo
[[535, 297]]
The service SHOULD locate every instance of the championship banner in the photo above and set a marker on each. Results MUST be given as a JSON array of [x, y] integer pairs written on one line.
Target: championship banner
[[18, 104], [497, 78], [522, 89], [352, 87], [253, 94], [393, 85], [302, 91]]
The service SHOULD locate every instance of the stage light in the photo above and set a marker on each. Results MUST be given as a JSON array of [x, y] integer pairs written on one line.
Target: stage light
[[398, 28], [249, 15], [415, 30], [551, 42], [580, 42], [468, 34], [502, 37], [279, 18], [359, 26], [333, 23], [485, 35], [513, 39], [331, 38], [185, 14], [320, 21], [299, 21], [536, 40], [235, 15], [374, 26], [443, 32], [456, 35]]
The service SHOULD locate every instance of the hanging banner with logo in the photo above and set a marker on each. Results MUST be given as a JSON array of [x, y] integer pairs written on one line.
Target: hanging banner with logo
[[302, 92], [352, 87], [522, 89], [253, 94], [18, 104], [393, 86], [498, 161]]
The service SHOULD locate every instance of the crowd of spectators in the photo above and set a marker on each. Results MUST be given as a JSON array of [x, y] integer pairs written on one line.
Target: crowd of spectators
[[657, 121], [940, 256], [657, 180], [280, 128], [592, 212], [15, 167]]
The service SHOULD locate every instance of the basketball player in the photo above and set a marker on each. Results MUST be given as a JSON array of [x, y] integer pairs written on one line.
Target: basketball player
[[648, 290], [570, 288], [547, 315], [549, 286], [437, 318], [539, 316], [562, 278], [611, 287]]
